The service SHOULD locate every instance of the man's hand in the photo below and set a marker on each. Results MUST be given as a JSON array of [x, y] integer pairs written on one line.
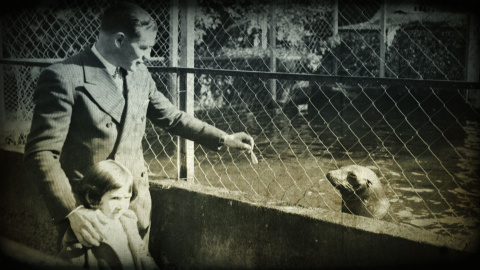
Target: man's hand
[[88, 226], [239, 140]]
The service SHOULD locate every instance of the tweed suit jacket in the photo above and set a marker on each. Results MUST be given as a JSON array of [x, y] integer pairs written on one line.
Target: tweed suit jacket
[[81, 118]]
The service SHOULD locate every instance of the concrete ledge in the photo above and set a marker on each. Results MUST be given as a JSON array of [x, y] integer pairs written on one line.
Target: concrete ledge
[[199, 227], [24, 217]]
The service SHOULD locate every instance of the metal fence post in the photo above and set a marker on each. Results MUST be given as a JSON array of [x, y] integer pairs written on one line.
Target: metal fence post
[[186, 91], [2, 92], [273, 45], [173, 51], [473, 69], [335, 33], [383, 38], [264, 27]]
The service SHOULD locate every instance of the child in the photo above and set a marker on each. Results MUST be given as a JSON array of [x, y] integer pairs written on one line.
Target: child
[[108, 187]]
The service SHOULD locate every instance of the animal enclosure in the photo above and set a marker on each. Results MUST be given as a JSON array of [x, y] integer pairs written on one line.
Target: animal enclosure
[[318, 85]]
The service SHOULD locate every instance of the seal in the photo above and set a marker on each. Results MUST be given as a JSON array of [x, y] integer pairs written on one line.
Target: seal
[[361, 190]]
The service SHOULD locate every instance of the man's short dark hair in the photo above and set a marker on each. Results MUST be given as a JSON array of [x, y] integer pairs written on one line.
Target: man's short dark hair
[[128, 18]]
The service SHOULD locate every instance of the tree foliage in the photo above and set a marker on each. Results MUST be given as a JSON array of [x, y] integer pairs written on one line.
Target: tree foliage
[[240, 32], [239, 29]]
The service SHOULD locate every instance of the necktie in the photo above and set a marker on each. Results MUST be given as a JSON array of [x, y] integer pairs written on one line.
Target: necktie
[[118, 79], [116, 73]]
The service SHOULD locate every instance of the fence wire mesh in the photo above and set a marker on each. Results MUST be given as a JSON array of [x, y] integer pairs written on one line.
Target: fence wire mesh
[[56, 30], [421, 142], [422, 39]]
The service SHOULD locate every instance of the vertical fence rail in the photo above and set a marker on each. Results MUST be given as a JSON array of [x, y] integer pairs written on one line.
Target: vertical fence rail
[[173, 49], [473, 59], [383, 38], [2, 91], [335, 34], [173, 78], [186, 91], [273, 45]]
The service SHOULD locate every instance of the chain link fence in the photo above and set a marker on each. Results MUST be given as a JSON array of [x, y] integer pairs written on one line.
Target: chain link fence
[[423, 41], [422, 142], [52, 31]]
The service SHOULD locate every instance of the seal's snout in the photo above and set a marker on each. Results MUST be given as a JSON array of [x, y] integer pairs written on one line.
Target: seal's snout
[[329, 178], [361, 190], [335, 180], [339, 180]]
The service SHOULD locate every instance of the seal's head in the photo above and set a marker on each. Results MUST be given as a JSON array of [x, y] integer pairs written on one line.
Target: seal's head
[[361, 190]]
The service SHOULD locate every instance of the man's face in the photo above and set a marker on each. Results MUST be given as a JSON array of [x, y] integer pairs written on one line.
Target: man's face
[[115, 202], [133, 51]]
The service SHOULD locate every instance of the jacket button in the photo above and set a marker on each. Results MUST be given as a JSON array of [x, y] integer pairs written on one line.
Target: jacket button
[[142, 174], [109, 125]]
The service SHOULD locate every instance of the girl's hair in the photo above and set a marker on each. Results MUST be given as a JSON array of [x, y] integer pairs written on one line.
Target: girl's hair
[[128, 18], [101, 178]]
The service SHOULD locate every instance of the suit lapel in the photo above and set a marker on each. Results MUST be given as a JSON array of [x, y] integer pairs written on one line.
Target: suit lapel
[[101, 86]]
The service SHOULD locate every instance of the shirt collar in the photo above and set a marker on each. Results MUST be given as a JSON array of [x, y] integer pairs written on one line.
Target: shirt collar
[[110, 68]]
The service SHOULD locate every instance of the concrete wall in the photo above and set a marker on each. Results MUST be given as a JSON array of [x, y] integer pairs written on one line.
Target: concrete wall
[[23, 215], [200, 227]]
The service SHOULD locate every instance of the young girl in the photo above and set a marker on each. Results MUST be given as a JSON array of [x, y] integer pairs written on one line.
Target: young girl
[[108, 187]]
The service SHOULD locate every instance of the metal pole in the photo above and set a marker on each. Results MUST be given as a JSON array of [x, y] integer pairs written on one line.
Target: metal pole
[[264, 27], [186, 91], [3, 121], [335, 33], [273, 45], [173, 51], [383, 38], [473, 69], [444, 84]]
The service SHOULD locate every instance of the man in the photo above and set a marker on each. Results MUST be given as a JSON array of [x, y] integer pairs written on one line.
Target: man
[[85, 112]]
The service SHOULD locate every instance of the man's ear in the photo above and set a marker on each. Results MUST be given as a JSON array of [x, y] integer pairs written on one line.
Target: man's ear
[[119, 39]]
